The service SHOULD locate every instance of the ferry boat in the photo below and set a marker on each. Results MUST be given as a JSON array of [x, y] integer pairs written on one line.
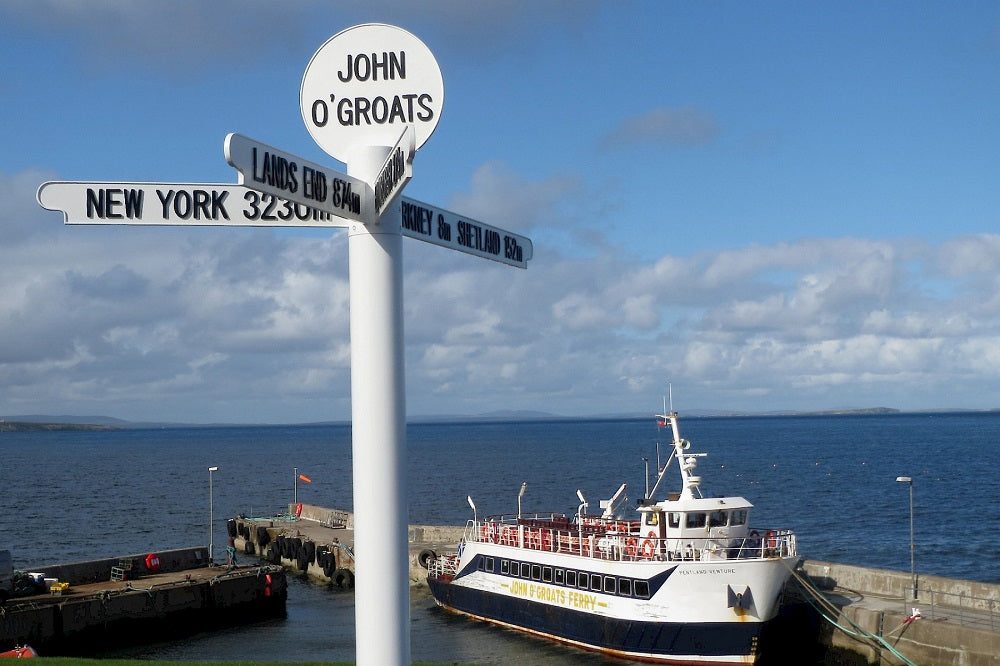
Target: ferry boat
[[686, 581]]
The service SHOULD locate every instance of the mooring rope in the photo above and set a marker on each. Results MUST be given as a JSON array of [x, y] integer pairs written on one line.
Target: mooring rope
[[829, 611]]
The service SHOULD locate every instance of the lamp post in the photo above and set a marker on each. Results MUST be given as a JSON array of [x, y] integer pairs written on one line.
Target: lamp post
[[211, 517], [913, 572]]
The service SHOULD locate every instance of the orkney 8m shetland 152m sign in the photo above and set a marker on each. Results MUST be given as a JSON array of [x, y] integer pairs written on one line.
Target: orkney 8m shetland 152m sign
[[365, 84], [441, 227]]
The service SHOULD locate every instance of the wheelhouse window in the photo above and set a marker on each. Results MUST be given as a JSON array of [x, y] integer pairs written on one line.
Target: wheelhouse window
[[674, 519], [718, 519], [695, 519], [738, 517]]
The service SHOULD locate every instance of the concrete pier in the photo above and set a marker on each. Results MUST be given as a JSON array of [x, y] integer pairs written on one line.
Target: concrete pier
[[319, 543], [952, 622], [88, 607]]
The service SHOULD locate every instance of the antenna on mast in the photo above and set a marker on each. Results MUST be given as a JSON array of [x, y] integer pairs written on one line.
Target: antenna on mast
[[670, 392]]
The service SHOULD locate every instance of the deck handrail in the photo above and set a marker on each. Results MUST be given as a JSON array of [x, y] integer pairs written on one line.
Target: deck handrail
[[598, 541]]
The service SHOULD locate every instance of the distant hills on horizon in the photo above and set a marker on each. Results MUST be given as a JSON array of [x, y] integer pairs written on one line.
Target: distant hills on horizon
[[41, 422]]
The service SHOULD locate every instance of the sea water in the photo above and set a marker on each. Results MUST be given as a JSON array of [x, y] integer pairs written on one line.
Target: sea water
[[80, 495]]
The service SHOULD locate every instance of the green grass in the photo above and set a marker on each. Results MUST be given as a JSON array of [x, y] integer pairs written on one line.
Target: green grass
[[87, 661]]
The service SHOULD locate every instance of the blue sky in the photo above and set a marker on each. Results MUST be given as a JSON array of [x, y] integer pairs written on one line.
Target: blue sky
[[769, 205]]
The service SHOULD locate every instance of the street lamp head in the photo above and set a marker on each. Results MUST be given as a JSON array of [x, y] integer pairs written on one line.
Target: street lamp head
[[904, 479]]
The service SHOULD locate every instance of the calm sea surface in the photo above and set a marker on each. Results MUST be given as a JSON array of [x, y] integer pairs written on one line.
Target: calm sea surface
[[73, 496]]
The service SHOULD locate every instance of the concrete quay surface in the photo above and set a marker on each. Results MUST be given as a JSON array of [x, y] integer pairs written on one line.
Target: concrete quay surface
[[88, 607]]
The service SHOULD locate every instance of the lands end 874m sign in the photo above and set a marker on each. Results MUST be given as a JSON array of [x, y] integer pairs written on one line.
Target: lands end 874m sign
[[365, 84]]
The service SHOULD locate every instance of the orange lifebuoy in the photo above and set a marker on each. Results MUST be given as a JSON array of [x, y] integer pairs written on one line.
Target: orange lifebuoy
[[153, 562], [632, 546], [546, 540], [505, 535], [648, 546], [772, 541]]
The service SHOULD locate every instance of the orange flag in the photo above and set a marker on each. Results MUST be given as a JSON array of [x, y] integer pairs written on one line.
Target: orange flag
[[305, 478]]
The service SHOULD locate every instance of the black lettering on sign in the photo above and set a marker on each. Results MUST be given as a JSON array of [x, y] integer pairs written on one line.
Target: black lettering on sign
[[357, 111], [491, 241], [389, 177], [444, 229], [417, 218], [512, 249], [196, 204], [261, 206], [344, 197], [476, 238], [275, 171], [108, 203], [365, 67], [314, 184]]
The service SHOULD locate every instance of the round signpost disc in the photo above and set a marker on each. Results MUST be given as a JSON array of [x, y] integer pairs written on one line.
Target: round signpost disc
[[365, 84]]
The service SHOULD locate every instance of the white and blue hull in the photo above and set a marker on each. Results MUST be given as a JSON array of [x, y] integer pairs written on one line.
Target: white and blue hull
[[665, 611]]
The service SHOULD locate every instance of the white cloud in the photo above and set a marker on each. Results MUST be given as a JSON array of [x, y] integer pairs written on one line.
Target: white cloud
[[684, 126], [211, 325]]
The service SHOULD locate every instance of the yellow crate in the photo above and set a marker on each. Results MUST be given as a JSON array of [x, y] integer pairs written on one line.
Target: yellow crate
[[58, 588]]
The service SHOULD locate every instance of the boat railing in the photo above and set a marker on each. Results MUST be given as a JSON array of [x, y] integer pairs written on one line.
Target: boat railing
[[444, 567], [620, 540]]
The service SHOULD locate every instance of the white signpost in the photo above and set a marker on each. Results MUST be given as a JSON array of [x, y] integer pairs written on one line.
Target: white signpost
[[360, 91], [370, 97]]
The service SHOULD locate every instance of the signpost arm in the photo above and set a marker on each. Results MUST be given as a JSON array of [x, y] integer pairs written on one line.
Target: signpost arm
[[378, 417]]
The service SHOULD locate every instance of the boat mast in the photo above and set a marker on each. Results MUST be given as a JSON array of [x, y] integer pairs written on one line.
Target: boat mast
[[687, 461]]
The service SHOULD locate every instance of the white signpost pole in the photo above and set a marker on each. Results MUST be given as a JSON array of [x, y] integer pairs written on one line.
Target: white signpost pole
[[360, 91], [378, 419]]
